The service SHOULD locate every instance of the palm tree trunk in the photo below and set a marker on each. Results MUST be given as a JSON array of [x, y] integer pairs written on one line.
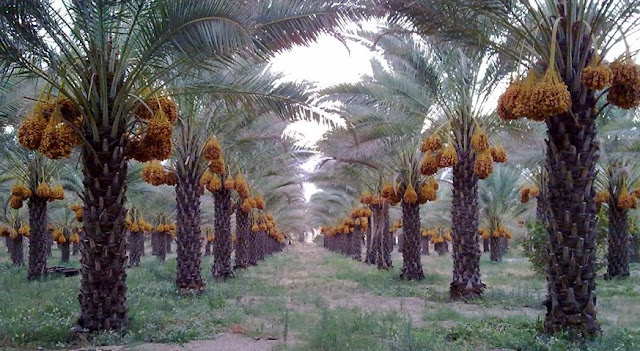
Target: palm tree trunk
[[411, 265], [38, 237], [136, 239], [155, 238], [486, 245], [162, 247], [496, 249], [387, 237], [65, 250], [618, 254], [189, 244], [464, 217], [222, 245], [356, 244], [103, 285], [634, 252], [572, 154], [17, 251], [243, 230]]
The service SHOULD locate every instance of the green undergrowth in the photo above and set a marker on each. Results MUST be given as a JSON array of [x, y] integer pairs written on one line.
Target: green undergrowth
[[292, 297], [352, 329], [40, 314]]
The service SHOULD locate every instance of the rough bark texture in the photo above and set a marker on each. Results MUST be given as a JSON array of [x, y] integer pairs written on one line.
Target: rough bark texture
[[136, 241], [243, 230], [572, 154], [65, 249], [103, 285], [188, 272], [400, 242], [634, 253], [222, 245], [162, 247], [17, 251], [38, 237], [441, 248], [466, 282], [387, 237], [618, 254], [496, 249], [411, 265], [486, 246], [155, 239], [356, 242]]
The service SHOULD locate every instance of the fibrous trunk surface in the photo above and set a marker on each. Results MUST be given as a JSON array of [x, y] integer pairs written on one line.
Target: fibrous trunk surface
[[243, 230], [572, 154], [189, 244], [466, 282], [103, 285], [38, 237], [411, 265], [618, 254], [222, 245]]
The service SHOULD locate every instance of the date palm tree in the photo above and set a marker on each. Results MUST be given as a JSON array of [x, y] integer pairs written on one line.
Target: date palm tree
[[107, 57]]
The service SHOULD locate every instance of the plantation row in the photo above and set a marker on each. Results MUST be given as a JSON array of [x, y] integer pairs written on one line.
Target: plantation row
[[142, 107]]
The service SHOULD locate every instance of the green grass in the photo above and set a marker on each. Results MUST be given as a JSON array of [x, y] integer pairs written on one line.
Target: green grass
[[285, 299]]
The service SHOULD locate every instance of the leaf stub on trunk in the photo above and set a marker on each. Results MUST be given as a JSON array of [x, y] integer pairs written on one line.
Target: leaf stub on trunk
[[103, 285], [572, 153], [466, 282]]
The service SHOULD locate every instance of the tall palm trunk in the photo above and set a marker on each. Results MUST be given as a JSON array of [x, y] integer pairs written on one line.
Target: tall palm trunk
[[496, 249], [136, 240], [572, 153], [38, 237], [618, 254], [464, 215], [188, 272], [243, 230], [222, 245], [103, 285], [356, 242], [155, 238], [17, 251], [162, 247], [634, 252], [386, 241], [411, 265]]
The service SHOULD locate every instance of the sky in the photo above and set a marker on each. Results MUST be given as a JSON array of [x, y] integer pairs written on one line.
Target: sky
[[326, 63]]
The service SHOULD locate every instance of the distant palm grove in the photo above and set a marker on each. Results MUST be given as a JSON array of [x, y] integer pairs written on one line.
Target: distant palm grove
[[150, 141]]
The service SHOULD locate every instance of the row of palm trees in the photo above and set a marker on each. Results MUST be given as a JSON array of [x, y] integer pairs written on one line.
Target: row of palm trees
[[553, 42], [109, 59]]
